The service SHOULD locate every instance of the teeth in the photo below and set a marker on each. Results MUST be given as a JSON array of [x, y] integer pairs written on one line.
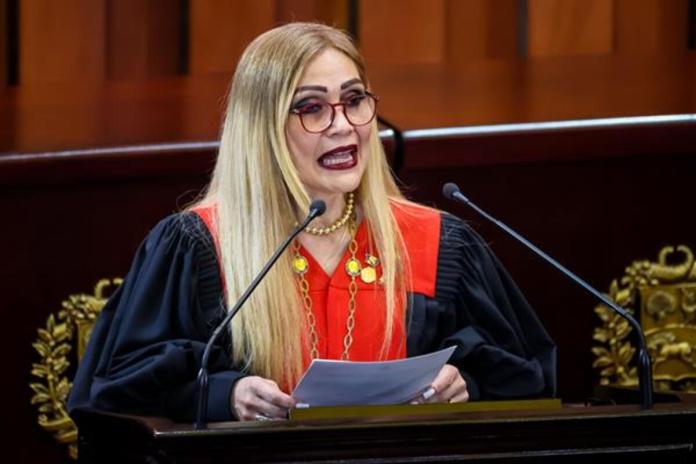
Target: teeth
[[336, 158]]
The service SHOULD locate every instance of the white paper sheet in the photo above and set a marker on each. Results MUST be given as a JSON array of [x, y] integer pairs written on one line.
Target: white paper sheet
[[344, 383]]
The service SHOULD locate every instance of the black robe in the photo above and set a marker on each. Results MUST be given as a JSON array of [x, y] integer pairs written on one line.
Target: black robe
[[145, 349]]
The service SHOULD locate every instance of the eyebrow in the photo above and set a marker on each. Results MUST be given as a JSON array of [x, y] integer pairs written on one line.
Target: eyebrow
[[321, 88]]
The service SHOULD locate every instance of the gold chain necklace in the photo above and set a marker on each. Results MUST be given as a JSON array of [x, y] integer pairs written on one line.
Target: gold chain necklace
[[300, 265], [347, 214]]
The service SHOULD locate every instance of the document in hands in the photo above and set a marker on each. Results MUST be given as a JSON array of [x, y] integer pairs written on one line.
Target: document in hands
[[347, 383]]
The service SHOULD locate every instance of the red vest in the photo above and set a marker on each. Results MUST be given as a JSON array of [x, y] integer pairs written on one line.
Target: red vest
[[420, 227]]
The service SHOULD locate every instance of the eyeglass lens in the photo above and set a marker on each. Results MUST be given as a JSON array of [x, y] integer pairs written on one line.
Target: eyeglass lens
[[318, 116]]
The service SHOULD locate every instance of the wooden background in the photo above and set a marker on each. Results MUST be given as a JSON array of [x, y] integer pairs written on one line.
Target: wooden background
[[109, 111], [97, 40], [86, 73]]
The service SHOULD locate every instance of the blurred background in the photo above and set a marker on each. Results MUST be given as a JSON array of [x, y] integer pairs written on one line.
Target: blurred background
[[572, 120], [81, 73]]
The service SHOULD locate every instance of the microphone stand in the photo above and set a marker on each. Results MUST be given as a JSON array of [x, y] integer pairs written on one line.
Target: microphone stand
[[645, 385], [316, 209]]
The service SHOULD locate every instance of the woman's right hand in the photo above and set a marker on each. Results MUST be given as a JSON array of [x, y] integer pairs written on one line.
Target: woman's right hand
[[254, 398]]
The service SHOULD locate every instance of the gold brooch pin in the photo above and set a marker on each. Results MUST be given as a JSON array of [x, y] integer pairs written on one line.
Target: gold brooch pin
[[353, 267], [368, 274], [300, 264]]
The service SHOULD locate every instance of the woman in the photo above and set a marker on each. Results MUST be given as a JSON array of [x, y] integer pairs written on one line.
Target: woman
[[376, 277]]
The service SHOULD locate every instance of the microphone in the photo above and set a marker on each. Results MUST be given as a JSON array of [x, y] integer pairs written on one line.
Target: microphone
[[451, 190], [316, 209]]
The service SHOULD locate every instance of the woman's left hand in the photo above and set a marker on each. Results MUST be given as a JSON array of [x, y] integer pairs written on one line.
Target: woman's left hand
[[448, 387]]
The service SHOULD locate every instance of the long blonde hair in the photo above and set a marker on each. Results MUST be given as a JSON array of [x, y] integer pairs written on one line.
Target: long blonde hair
[[258, 196]]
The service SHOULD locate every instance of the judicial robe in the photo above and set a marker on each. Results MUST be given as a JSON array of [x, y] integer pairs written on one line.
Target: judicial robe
[[145, 349]]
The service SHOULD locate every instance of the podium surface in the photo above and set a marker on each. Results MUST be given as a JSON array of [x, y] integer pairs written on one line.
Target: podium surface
[[567, 434]]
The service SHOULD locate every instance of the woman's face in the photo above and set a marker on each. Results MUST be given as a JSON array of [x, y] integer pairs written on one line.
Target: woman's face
[[332, 161]]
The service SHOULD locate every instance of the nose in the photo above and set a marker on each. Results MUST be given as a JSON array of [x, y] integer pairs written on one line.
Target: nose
[[340, 123]]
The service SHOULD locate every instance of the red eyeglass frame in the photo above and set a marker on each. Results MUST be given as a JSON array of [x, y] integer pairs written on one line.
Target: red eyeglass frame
[[298, 112]]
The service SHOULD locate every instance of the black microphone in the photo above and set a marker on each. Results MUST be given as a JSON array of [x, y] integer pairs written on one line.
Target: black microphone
[[451, 190], [316, 209]]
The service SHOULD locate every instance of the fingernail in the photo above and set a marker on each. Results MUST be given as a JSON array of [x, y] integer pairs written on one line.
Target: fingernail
[[301, 405], [427, 394]]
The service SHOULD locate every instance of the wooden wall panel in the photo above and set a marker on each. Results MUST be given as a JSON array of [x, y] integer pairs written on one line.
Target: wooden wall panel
[[403, 31], [132, 39], [331, 12], [570, 27], [4, 30], [479, 29], [144, 38], [62, 41], [58, 118], [219, 30], [651, 26]]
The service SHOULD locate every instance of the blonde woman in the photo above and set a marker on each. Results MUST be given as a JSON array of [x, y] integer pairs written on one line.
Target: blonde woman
[[376, 277]]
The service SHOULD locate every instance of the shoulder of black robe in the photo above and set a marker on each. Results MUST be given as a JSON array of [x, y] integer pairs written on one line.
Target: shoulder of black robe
[[503, 350], [145, 349]]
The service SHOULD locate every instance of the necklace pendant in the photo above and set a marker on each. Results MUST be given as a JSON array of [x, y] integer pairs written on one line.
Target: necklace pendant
[[368, 275], [353, 267], [300, 264]]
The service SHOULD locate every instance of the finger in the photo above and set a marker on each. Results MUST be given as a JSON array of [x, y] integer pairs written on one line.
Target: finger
[[445, 377], [252, 407], [255, 395], [270, 392], [452, 385], [240, 396], [431, 396], [245, 414], [455, 391], [269, 410], [461, 397]]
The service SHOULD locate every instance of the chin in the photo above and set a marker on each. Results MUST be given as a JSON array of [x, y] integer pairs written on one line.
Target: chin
[[349, 183], [336, 186]]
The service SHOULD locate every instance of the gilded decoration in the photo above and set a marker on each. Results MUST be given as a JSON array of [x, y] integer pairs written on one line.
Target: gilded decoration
[[71, 327], [664, 295]]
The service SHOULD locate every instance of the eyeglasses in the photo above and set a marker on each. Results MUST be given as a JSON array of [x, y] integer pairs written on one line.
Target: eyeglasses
[[317, 115]]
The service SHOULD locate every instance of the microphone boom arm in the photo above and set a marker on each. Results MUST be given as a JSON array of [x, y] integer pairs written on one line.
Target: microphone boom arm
[[452, 192], [316, 209]]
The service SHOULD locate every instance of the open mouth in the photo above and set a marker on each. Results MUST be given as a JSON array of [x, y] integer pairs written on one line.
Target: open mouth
[[339, 158]]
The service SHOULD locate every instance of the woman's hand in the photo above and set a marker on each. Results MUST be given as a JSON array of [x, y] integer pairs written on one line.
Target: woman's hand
[[256, 398], [448, 387]]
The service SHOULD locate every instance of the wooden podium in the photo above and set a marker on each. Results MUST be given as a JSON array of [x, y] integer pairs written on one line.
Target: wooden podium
[[563, 434]]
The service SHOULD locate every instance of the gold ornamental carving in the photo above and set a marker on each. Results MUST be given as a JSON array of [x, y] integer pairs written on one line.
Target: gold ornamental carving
[[71, 327], [663, 293]]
